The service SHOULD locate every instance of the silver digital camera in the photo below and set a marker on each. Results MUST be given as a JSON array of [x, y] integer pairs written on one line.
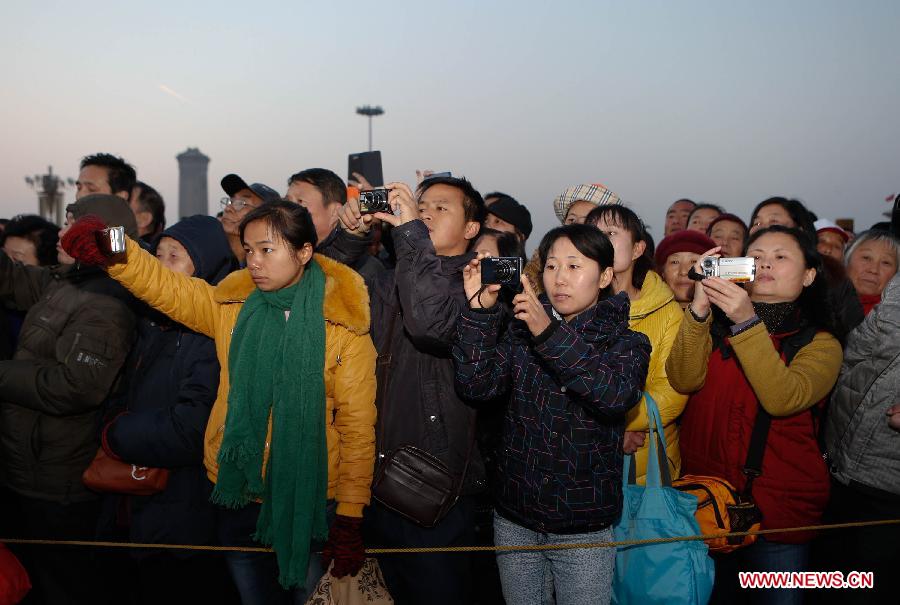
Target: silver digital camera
[[111, 240], [740, 269]]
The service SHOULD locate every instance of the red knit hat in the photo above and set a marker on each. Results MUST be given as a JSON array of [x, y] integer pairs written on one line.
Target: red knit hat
[[682, 241]]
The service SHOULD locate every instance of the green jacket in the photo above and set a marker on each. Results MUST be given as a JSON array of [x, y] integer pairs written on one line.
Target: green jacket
[[76, 335]]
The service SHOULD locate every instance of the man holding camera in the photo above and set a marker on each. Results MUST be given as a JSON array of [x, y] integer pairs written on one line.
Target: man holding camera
[[414, 313], [323, 193]]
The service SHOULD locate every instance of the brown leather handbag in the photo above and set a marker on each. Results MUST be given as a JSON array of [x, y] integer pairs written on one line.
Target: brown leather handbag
[[109, 475]]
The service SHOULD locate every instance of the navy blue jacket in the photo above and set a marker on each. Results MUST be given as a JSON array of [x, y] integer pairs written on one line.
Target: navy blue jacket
[[561, 463], [171, 381]]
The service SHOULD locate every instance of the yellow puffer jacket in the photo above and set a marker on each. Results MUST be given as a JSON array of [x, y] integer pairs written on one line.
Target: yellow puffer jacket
[[349, 359], [658, 316]]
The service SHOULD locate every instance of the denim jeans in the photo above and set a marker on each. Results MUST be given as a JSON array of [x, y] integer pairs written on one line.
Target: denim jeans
[[256, 574], [762, 555], [580, 576]]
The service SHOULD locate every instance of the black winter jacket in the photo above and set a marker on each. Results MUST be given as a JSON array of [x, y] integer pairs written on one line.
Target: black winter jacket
[[420, 406], [560, 469], [74, 340], [353, 251]]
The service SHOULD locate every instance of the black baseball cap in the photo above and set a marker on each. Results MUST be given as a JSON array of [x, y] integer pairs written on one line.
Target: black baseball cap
[[232, 183], [514, 213]]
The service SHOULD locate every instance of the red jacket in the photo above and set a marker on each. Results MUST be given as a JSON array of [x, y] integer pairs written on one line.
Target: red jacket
[[715, 436]]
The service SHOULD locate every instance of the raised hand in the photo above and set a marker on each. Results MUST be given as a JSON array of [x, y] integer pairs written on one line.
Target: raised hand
[[403, 201], [633, 441], [360, 182], [79, 240], [529, 309], [730, 297], [894, 417], [352, 220], [421, 175], [478, 298], [700, 304]]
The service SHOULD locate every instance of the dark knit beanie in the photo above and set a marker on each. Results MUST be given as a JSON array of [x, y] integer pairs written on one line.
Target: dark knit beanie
[[112, 210]]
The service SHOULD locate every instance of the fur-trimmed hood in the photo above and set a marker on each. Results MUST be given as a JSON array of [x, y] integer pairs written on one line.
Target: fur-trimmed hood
[[346, 297]]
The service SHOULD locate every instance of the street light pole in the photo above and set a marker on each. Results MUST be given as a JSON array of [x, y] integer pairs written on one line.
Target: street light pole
[[49, 188], [370, 112]]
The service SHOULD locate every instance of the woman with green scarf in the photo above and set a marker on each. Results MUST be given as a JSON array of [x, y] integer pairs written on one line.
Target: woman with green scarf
[[291, 435]]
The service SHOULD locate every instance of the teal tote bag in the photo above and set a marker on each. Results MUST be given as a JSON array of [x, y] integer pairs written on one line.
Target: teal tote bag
[[672, 573]]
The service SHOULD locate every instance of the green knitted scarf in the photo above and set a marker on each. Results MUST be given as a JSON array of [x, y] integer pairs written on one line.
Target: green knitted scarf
[[276, 367]]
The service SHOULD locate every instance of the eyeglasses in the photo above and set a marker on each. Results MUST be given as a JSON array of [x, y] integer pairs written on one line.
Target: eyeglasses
[[237, 204]]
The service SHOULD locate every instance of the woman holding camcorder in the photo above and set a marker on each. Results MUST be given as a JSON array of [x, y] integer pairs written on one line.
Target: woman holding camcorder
[[758, 360]]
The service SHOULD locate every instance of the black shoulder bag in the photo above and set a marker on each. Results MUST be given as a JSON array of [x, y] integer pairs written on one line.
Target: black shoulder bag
[[745, 514], [410, 481]]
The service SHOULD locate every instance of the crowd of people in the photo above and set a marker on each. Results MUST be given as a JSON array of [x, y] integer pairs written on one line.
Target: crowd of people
[[290, 364]]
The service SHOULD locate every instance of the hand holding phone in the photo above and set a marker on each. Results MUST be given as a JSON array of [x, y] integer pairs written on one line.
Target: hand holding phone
[[368, 165]]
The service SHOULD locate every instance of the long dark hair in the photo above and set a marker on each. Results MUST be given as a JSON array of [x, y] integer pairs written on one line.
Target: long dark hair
[[814, 303], [588, 240], [628, 220]]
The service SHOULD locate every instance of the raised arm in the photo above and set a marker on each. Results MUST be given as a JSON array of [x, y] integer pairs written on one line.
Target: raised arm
[[187, 300], [689, 357], [430, 309], [482, 364], [785, 390]]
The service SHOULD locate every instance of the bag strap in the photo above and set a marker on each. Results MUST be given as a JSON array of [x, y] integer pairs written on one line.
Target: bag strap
[[789, 346], [657, 465]]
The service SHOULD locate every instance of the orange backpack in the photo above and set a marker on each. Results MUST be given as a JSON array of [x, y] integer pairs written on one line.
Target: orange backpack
[[721, 509]]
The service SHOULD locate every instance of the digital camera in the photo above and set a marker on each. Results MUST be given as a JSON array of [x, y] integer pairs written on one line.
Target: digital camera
[[374, 201], [111, 240], [740, 269], [503, 270]]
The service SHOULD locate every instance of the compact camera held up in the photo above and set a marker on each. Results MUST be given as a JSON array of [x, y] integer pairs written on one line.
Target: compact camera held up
[[111, 240], [374, 201], [740, 269], [503, 270]]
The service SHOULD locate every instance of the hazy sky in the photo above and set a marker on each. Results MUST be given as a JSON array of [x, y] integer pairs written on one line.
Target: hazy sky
[[727, 102]]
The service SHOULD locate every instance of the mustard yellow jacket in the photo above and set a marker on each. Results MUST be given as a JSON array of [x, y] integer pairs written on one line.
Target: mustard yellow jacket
[[349, 359], [658, 316]]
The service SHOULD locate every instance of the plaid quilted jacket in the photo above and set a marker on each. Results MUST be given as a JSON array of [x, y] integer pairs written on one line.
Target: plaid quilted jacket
[[561, 463]]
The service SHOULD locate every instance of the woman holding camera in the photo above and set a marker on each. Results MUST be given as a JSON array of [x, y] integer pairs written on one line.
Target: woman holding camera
[[292, 427], [573, 369], [731, 355]]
